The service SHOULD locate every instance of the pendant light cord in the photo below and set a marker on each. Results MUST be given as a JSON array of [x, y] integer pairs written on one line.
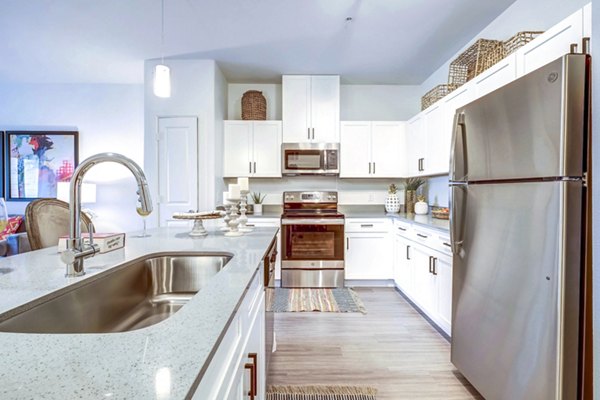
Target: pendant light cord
[[162, 30]]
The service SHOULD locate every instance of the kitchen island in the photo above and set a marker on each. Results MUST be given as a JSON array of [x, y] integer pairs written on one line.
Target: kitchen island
[[163, 361]]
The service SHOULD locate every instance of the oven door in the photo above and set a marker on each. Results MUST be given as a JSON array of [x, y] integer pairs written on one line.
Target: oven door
[[312, 243]]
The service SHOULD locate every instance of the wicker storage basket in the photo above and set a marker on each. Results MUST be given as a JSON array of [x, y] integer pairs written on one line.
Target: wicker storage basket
[[470, 63], [520, 40], [435, 94], [254, 106]]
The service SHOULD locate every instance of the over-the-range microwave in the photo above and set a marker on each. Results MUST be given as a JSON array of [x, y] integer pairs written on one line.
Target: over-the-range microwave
[[310, 159]]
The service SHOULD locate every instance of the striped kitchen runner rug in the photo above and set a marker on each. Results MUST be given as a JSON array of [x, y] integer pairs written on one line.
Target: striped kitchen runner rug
[[317, 392], [324, 300]]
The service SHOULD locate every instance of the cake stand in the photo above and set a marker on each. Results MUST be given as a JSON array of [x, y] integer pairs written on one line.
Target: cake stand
[[198, 229]]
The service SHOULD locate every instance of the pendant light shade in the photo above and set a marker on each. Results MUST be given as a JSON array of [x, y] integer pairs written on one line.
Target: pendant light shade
[[162, 81]]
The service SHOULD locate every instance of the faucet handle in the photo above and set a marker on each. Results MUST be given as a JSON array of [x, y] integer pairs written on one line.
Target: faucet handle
[[91, 233]]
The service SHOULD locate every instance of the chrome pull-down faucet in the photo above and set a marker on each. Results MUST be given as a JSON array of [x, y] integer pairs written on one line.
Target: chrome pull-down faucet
[[77, 250]]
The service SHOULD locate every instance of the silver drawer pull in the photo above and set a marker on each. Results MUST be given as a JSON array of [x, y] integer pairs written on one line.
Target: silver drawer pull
[[422, 236], [402, 229], [447, 244], [366, 225]]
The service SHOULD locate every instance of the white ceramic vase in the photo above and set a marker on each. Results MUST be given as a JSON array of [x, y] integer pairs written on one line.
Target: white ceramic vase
[[421, 208], [392, 203], [258, 209]]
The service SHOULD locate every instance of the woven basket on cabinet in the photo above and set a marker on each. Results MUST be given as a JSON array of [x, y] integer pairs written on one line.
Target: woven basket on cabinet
[[254, 106], [519, 40], [435, 94], [470, 62]]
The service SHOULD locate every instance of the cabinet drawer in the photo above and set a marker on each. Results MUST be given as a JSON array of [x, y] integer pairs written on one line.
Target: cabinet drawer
[[379, 225], [403, 228]]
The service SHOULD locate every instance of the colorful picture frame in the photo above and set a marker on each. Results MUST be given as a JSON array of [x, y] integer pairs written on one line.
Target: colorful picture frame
[[35, 161]]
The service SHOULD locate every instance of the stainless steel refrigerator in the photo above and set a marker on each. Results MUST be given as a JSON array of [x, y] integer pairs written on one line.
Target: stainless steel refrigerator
[[518, 200]]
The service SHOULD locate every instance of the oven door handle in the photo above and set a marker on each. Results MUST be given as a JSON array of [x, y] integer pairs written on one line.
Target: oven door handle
[[312, 221]]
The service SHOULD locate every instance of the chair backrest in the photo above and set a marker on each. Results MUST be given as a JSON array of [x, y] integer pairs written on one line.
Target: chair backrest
[[47, 220]]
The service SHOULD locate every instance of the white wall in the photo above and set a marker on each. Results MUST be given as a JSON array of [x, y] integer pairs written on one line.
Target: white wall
[[109, 117], [357, 102], [221, 97]]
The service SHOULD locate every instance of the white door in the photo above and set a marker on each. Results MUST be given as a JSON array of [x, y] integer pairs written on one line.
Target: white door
[[295, 110], [177, 167], [439, 136], [266, 159], [497, 76], [552, 44], [237, 146], [388, 149], [417, 143], [443, 269], [325, 108], [355, 150], [368, 256]]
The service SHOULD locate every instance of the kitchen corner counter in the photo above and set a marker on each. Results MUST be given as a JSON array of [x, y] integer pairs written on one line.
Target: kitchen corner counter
[[426, 221], [162, 361]]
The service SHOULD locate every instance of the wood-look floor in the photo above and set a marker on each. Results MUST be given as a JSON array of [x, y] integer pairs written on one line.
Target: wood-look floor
[[392, 348]]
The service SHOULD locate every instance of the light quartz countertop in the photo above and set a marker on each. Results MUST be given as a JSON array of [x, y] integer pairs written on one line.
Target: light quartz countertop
[[426, 221], [163, 361]]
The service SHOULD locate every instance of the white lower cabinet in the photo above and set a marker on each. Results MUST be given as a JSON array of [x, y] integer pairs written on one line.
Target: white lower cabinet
[[237, 368], [369, 251], [424, 274]]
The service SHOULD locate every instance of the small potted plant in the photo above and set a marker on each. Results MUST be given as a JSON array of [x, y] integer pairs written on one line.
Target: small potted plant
[[257, 199], [392, 202], [411, 185]]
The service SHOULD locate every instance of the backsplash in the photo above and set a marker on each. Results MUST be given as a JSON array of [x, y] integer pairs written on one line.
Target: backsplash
[[370, 192]]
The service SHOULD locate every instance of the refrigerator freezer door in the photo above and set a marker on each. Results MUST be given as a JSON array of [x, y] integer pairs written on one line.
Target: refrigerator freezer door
[[515, 301], [533, 127]]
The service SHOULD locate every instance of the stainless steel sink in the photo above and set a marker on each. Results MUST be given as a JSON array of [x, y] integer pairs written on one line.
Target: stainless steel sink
[[132, 296]]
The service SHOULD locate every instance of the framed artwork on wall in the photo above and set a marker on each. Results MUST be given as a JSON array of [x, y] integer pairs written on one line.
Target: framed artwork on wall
[[35, 161]]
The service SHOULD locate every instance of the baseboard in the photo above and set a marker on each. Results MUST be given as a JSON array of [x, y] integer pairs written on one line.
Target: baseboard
[[369, 283], [418, 309]]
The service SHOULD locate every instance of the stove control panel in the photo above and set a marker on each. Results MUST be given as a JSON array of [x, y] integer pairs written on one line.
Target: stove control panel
[[310, 197]]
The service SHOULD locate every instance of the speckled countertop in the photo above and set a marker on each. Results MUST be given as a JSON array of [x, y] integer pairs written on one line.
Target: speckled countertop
[[126, 365]]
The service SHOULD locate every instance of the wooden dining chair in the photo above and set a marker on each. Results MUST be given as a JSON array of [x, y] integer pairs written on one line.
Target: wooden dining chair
[[46, 220]]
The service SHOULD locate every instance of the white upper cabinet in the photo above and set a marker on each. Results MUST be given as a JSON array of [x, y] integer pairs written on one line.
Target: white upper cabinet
[[437, 156], [550, 45], [388, 149], [497, 76], [372, 149], [355, 149], [417, 144], [252, 148], [311, 108]]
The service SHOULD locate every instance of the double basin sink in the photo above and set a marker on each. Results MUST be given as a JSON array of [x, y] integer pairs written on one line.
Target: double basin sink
[[129, 297]]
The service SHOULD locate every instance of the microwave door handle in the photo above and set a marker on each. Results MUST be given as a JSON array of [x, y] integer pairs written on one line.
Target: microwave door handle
[[325, 159]]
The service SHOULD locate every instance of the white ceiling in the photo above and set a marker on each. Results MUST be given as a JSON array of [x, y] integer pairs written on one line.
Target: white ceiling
[[387, 42]]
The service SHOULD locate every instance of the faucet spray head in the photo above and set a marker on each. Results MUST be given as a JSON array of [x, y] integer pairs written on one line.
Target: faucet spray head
[[144, 197]]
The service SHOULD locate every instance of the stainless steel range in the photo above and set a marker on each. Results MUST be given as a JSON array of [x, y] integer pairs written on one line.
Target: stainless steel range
[[312, 243]]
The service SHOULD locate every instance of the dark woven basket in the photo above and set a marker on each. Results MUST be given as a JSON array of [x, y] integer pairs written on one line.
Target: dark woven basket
[[254, 106]]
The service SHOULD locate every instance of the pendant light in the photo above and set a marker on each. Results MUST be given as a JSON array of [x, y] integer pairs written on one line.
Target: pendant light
[[162, 73]]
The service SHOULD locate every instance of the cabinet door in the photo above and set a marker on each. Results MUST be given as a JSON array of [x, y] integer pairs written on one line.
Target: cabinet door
[[439, 136], [368, 256], [388, 149], [452, 102], [403, 276], [266, 160], [237, 145], [552, 44], [424, 293], [325, 108], [355, 150], [497, 76], [417, 142], [295, 99], [443, 269]]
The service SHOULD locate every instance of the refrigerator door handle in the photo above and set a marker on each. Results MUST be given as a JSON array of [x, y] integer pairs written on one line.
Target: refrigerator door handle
[[458, 206], [458, 154]]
